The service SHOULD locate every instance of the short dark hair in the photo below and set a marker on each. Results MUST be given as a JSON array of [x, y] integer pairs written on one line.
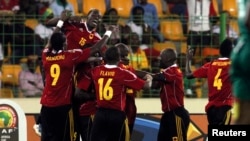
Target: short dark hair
[[112, 55], [121, 46], [92, 11], [226, 47], [106, 15], [57, 41], [107, 12], [134, 9], [170, 53]]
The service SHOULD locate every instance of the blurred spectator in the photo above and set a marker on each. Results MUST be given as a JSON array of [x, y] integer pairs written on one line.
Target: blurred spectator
[[12, 5], [199, 34], [42, 6], [30, 81], [150, 13], [60, 5], [29, 7], [151, 53], [111, 17], [24, 40], [125, 31], [138, 58], [164, 5], [6, 18], [42, 29], [146, 34], [179, 7]]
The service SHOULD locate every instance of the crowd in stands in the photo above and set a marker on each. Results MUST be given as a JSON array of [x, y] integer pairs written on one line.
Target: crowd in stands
[[23, 29]]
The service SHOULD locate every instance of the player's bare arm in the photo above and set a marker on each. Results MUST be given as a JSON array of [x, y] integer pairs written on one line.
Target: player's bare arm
[[188, 71]]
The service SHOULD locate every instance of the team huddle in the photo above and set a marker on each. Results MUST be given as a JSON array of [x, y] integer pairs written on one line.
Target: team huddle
[[90, 88], [74, 72]]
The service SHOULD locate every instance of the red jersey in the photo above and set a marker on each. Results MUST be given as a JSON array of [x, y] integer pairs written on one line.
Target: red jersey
[[8, 5], [219, 84], [111, 83], [130, 92], [172, 91], [59, 71], [130, 108], [84, 81], [88, 108], [79, 36]]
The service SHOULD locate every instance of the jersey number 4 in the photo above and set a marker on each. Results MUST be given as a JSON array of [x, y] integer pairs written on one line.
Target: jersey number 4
[[217, 81], [105, 90]]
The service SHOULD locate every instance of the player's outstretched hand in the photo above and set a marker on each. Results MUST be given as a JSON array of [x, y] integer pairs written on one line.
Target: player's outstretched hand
[[65, 15], [111, 27], [190, 53], [148, 79], [94, 59]]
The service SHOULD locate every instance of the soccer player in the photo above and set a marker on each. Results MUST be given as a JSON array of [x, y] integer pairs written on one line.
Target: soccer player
[[220, 97], [82, 34], [240, 67], [59, 65], [110, 82], [175, 119], [130, 108]]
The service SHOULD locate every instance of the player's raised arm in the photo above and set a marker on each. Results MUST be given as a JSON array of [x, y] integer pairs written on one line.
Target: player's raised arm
[[65, 15], [100, 44], [188, 71]]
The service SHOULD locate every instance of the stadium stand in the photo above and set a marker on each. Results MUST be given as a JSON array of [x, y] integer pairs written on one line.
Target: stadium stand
[[160, 46], [231, 7], [6, 93], [172, 30], [75, 5], [10, 74], [94, 4], [31, 23], [123, 7]]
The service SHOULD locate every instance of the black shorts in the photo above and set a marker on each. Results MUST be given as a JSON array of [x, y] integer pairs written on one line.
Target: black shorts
[[174, 125], [85, 125], [57, 123], [110, 125], [219, 115]]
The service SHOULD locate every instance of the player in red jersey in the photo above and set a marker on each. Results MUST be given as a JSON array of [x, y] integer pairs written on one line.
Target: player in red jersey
[[130, 108], [110, 82], [175, 119], [58, 66], [220, 98], [82, 34]]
